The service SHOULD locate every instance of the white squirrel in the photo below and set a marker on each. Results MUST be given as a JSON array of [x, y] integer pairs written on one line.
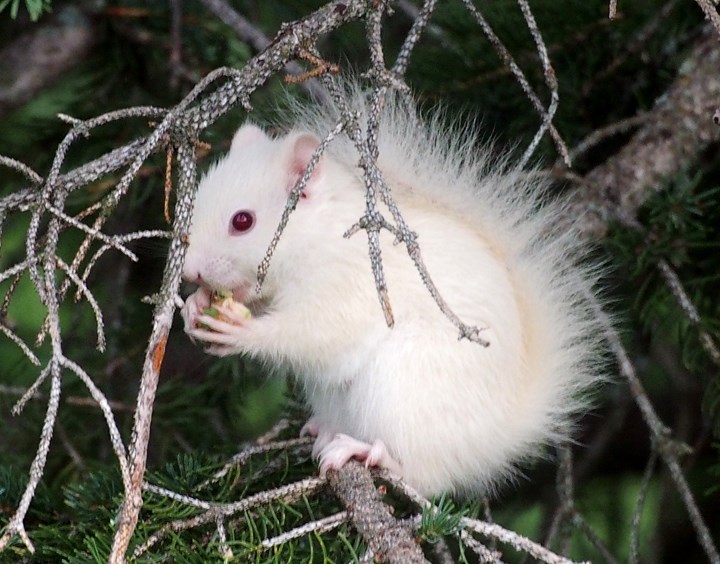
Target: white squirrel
[[448, 415]]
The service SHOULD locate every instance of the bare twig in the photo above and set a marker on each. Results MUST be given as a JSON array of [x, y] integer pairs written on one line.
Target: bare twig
[[420, 22], [688, 307], [104, 406], [632, 47], [155, 354], [181, 125], [508, 60], [601, 134], [373, 221], [644, 487], [485, 554], [16, 525], [612, 10], [70, 448], [581, 524], [22, 168], [243, 456], [515, 540], [293, 199], [320, 526], [566, 504], [19, 342], [669, 450], [711, 13], [79, 401], [490, 530], [550, 81], [214, 510], [99, 324]]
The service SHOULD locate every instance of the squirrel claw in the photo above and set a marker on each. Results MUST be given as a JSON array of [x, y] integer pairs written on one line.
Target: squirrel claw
[[322, 433], [311, 428], [342, 448]]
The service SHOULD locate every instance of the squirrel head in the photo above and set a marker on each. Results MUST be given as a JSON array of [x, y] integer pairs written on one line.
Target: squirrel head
[[239, 204]]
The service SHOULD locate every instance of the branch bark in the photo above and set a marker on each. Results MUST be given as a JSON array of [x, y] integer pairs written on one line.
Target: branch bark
[[678, 129], [387, 538], [163, 318]]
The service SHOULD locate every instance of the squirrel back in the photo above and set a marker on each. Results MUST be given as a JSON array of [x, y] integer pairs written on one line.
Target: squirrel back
[[449, 166]]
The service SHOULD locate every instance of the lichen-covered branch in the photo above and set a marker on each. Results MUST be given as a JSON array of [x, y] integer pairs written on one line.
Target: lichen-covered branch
[[163, 318], [672, 137], [388, 539]]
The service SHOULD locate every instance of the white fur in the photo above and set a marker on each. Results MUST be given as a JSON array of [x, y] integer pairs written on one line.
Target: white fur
[[456, 416]]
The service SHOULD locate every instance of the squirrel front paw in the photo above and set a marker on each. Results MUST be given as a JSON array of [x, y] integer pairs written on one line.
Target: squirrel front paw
[[220, 323], [223, 335], [194, 306]]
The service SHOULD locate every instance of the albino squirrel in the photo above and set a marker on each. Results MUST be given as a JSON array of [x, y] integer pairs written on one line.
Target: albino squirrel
[[448, 415]]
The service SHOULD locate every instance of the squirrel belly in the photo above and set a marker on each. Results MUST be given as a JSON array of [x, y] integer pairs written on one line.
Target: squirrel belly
[[450, 415]]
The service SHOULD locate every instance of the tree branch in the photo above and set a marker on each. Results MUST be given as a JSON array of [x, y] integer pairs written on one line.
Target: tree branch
[[387, 538], [676, 131]]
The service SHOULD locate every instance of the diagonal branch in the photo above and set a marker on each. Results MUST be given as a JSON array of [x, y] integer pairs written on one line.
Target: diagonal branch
[[673, 136], [387, 538]]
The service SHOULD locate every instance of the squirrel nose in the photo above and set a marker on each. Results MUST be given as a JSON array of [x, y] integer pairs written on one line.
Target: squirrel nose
[[192, 275], [192, 268]]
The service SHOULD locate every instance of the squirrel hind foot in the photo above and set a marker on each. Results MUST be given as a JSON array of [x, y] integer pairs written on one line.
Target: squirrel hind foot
[[342, 448]]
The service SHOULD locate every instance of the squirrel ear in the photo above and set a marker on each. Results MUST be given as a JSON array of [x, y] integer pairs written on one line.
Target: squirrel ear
[[246, 135], [303, 147]]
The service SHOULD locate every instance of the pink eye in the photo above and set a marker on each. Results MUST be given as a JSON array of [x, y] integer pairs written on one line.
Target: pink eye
[[242, 221]]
